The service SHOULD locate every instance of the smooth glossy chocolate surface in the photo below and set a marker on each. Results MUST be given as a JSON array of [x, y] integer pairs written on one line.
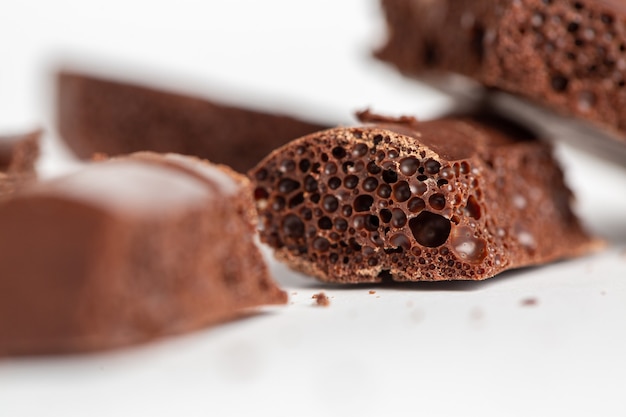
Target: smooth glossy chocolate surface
[[104, 116], [127, 250]]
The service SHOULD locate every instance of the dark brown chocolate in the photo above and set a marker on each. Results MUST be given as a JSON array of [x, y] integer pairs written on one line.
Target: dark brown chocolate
[[125, 251], [18, 155], [450, 199], [568, 55], [96, 115]]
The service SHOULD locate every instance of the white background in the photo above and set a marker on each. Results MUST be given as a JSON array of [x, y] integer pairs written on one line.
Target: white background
[[424, 349]]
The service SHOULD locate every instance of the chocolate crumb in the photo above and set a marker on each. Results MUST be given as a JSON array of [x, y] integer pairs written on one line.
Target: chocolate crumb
[[321, 299], [528, 302], [372, 292]]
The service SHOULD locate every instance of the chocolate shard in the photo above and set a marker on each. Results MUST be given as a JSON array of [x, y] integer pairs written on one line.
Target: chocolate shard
[[18, 155], [127, 250], [567, 55], [95, 115], [450, 199]]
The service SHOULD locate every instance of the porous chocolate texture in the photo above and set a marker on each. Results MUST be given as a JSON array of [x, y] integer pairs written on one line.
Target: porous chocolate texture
[[568, 55], [450, 199], [18, 155], [125, 251], [95, 115]]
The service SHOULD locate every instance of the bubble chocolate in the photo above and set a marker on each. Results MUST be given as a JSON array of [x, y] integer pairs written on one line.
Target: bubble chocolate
[[127, 250], [449, 199], [566, 55]]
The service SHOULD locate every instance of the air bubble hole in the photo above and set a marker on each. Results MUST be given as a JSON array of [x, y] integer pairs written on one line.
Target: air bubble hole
[[338, 152], [437, 201], [287, 185], [430, 229], [325, 223], [402, 191], [409, 166], [432, 167], [363, 203], [390, 176], [351, 182]]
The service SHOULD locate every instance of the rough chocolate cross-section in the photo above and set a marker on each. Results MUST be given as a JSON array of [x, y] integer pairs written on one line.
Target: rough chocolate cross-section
[[104, 116], [127, 250], [569, 55], [18, 155], [450, 199]]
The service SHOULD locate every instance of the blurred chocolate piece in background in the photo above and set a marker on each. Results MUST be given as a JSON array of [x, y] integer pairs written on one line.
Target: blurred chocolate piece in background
[[103, 116], [568, 56]]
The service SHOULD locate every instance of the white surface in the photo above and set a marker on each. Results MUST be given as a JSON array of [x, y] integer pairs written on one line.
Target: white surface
[[426, 349]]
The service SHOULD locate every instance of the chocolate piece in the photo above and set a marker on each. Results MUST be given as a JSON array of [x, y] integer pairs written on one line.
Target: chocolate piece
[[528, 302], [18, 155], [568, 55], [321, 299], [450, 199], [125, 251], [96, 115]]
